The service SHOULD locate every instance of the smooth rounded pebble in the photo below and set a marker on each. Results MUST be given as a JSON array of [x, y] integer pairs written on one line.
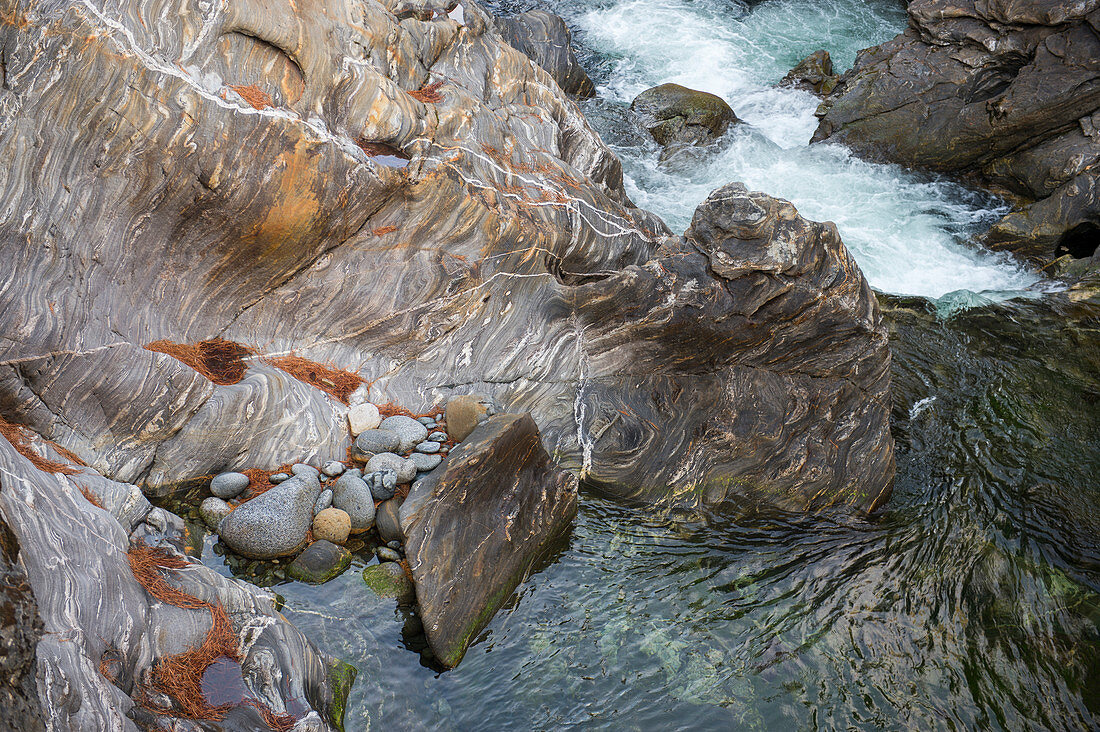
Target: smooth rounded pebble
[[277, 478], [333, 468], [408, 430], [332, 524], [428, 447], [351, 494], [405, 468], [363, 417], [389, 521], [438, 437], [275, 523], [373, 442], [228, 485], [386, 554], [301, 469], [213, 510], [382, 484], [425, 420], [323, 501], [425, 462], [388, 579]]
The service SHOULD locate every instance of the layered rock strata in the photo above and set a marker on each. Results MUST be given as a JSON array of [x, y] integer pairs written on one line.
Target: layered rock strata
[[1006, 92]]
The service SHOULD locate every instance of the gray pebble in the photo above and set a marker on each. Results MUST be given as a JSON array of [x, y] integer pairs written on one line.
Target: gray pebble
[[382, 484], [351, 494], [424, 462], [405, 468], [372, 442], [438, 437], [407, 429], [275, 523], [425, 421], [428, 447], [323, 501], [277, 478], [333, 468], [213, 510], [305, 471], [228, 485], [395, 545], [386, 554]]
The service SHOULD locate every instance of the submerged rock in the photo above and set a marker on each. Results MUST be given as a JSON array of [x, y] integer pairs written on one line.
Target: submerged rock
[[274, 524], [475, 528], [320, 562], [212, 510], [545, 39], [1008, 93], [389, 579], [678, 116]]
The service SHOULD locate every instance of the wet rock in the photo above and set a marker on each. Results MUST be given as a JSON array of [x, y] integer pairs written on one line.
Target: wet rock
[[404, 468], [277, 478], [544, 38], [428, 447], [332, 524], [275, 523], [228, 485], [386, 554], [388, 579], [323, 501], [320, 562], [370, 443], [813, 74], [333, 468], [425, 462], [407, 429], [464, 413], [388, 521], [677, 116], [382, 484], [1004, 93], [363, 417], [352, 495], [212, 510], [474, 529], [438, 437]]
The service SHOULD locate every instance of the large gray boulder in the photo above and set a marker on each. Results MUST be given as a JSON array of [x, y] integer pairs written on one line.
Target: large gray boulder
[[1006, 92], [275, 523], [477, 525]]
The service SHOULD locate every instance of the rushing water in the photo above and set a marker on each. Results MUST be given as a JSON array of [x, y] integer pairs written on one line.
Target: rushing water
[[972, 601]]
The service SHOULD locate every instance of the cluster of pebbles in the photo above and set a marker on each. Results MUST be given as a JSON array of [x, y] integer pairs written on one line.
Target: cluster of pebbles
[[319, 509]]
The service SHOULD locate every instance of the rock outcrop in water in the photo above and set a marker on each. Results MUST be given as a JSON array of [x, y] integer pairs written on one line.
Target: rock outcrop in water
[[99, 662], [1004, 91], [677, 116], [415, 203], [545, 39]]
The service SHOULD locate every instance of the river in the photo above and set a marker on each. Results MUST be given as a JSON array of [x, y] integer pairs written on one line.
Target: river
[[972, 601]]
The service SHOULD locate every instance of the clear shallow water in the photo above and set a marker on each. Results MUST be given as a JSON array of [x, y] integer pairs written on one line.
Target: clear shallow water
[[909, 233]]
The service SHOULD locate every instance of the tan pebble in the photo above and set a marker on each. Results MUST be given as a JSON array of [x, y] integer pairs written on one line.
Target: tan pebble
[[333, 525]]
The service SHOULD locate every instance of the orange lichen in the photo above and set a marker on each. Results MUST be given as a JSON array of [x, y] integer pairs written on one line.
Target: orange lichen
[[180, 676], [219, 360], [429, 93], [17, 436], [256, 97], [337, 383]]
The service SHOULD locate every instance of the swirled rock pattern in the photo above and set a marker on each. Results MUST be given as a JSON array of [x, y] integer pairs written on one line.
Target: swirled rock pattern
[[1006, 91], [397, 192], [103, 632]]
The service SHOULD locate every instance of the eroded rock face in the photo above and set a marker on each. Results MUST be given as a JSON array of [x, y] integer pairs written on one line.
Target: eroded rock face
[[1008, 91], [477, 524], [546, 40], [99, 620], [215, 158]]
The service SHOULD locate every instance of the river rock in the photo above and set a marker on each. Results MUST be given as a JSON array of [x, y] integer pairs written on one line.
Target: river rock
[[677, 116], [404, 468], [333, 468], [464, 413], [407, 429], [388, 520], [332, 524], [382, 484], [212, 510], [351, 495], [476, 528], [363, 417], [387, 554], [428, 447], [274, 524], [323, 501], [425, 462], [388, 579], [1005, 93], [372, 442], [277, 478], [320, 562], [539, 284], [813, 74], [120, 626], [544, 38], [228, 485]]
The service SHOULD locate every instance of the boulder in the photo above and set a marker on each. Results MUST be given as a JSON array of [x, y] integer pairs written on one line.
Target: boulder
[[475, 528], [408, 430], [464, 412], [545, 39], [389, 579], [275, 523], [813, 74], [352, 495], [388, 520], [332, 525], [1005, 93], [320, 562], [677, 116]]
